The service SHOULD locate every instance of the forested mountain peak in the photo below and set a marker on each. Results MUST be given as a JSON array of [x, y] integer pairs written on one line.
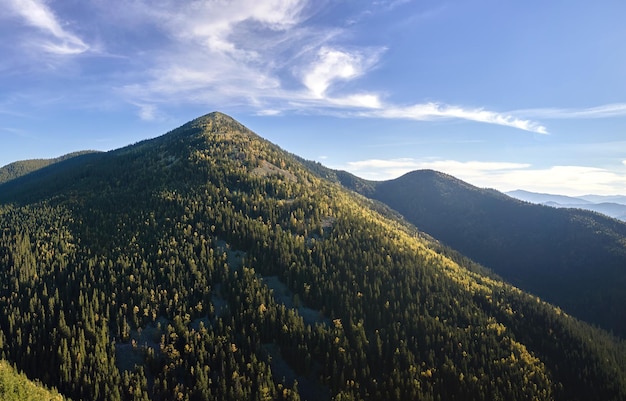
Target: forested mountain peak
[[220, 122], [207, 264], [213, 123], [433, 182]]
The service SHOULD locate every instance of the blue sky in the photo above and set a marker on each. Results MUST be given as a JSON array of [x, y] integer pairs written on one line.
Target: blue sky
[[502, 94]]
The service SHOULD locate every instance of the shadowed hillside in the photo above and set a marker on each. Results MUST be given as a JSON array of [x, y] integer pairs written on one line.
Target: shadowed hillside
[[20, 168], [574, 258]]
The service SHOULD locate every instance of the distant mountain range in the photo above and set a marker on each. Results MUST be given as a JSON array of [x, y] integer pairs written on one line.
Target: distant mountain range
[[613, 206]]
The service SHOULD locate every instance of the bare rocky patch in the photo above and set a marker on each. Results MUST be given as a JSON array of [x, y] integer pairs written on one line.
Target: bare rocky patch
[[266, 168], [283, 295]]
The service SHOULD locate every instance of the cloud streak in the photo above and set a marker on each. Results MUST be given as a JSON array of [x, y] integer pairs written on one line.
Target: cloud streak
[[433, 111], [37, 14], [603, 111]]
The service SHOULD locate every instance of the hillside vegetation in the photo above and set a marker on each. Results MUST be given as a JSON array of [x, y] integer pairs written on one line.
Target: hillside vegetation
[[208, 264], [16, 387], [573, 258], [24, 167]]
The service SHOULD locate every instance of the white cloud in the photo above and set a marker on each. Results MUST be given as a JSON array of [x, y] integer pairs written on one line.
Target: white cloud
[[431, 111], [332, 65], [268, 112], [37, 14], [391, 168], [403, 163], [566, 180], [504, 176], [359, 100], [214, 24], [147, 112]]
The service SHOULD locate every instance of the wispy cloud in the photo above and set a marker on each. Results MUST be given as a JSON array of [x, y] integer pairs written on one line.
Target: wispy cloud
[[13, 131], [147, 112], [265, 55], [391, 168], [504, 176], [333, 65], [219, 52], [216, 24], [603, 111], [432, 111], [37, 14]]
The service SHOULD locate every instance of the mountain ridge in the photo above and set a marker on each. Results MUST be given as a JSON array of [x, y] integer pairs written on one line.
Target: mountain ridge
[[612, 206], [23, 167], [183, 266], [535, 197]]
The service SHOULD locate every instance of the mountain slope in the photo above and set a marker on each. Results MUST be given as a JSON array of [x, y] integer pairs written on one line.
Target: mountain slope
[[574, 258], [17, 387], [209, 264], [21, 168]]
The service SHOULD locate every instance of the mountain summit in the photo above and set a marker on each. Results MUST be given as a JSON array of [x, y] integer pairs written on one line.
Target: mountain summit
[[207, 264]]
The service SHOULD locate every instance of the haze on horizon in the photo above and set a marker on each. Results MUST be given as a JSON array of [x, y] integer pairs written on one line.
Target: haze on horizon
[[502, 95]]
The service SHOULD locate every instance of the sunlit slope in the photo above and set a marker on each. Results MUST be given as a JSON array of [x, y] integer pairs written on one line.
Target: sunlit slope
[[17, 387], [209, 264]]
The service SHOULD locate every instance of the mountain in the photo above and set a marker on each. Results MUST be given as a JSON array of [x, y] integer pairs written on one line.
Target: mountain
[[620, 199], [573, 258], [613, 206], [207, 264], [534, 197], [21, 168], [615, 210]]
